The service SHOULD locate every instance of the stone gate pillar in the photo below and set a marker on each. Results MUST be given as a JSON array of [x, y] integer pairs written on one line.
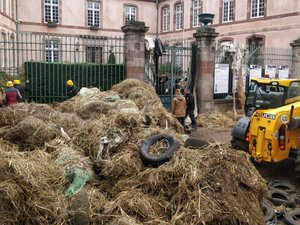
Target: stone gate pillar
[[135, 49], [296, 59], [205, 38]]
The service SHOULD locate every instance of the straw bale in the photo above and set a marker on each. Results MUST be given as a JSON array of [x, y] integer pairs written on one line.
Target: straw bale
[[30, 188], [138, 91], [94, 110], [14, 114], [214, 119], [31, 132]]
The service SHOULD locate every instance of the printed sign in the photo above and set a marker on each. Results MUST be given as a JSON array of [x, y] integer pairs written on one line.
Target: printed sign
[[255, 71], [270, 71], [283, 72], [221, 79]]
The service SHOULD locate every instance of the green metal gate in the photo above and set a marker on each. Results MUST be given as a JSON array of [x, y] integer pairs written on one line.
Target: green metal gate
[[174, 72], [47, 61]]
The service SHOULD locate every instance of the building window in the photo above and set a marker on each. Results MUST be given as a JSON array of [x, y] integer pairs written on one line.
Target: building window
[[51, 11], [93, 11], [166, 19], [255, 45], [1, 5], [94, 54], [196, 11], [257, 8], [51, 51], [130, 13], [227, 10], [178, 17]]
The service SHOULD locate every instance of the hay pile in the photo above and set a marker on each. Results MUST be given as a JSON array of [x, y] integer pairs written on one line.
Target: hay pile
[[215, 119], [101, 133], [30, 187]]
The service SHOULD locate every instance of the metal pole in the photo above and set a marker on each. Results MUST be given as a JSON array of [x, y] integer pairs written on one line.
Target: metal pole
[[17, 36], [157, 19]]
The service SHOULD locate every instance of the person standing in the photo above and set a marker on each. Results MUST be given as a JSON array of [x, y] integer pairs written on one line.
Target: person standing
[[190, 107], [1, 94], [179, 107], [21, 88], [11, 95], [72, 90]]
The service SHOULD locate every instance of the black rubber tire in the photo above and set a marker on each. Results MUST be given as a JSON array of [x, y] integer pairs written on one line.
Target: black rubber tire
[[282, 185], [239, 144], [297, 166], [279, 197], [292, 217], [268, 211], [157, 160], [297, 198]]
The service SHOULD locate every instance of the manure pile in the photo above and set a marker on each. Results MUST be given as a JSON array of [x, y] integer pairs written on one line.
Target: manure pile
[[78, 162]]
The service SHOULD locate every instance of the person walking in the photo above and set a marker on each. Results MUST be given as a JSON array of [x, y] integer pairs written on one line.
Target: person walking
[[179, 107], [190, 107], [21, 88], [11, 95], [72, 90]]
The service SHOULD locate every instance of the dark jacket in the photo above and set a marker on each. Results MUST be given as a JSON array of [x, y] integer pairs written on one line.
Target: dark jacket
[[22, 91], [190, 102], [72, 91], [11, 96]]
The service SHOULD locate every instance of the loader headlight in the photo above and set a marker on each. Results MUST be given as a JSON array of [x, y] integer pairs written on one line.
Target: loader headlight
[[270, 147]]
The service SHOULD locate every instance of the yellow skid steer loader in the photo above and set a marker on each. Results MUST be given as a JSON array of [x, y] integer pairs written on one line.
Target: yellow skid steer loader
[[270, 131]]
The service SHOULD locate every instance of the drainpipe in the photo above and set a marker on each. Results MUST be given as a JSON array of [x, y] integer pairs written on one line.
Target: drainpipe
[[17, 36], [157, 21]]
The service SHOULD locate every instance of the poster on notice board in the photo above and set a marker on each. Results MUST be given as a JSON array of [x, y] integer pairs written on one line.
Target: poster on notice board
[[221, 79], [255, 71], [270, 71], [283, 72]]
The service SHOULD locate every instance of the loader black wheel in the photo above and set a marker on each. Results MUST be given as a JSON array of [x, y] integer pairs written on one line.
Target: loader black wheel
[[239, 144], [157, 160], [292, 217]]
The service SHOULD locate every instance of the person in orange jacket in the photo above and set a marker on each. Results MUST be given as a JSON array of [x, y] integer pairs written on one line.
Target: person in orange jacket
[[179, 107]]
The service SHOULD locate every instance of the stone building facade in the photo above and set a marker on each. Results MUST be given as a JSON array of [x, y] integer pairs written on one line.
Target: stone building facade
[[274, 24]]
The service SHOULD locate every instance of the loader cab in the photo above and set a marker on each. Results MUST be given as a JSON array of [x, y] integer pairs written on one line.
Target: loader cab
[[264, 94]]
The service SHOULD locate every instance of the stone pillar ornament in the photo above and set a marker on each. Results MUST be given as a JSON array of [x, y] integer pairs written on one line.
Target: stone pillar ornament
[[135, 49], [205, 37]]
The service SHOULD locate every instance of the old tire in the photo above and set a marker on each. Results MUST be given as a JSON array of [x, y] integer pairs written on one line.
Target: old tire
[[268, 211], [157, 160], [282, 185], [297, 198], [279, 197], [297, 166], [292, 217], [239, 144]]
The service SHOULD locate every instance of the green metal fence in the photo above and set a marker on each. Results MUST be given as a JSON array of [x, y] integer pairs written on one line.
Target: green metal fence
[[174, 70], [273, 60], [49, 60]]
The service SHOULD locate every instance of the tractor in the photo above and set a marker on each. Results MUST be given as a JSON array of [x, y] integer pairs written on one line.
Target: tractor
[[270, 130]]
